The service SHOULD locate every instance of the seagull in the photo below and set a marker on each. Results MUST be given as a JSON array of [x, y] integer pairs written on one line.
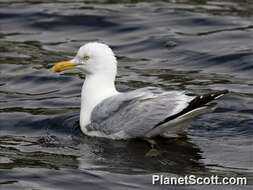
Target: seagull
[[143, 113]]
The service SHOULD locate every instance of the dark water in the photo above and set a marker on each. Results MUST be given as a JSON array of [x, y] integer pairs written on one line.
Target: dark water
[[196, 45]]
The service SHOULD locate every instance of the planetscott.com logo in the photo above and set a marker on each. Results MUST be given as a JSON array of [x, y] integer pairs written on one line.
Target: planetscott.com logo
[[197, 180]]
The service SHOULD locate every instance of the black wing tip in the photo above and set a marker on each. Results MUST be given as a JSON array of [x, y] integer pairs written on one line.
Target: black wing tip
[[219, 93], [205, 99], [197, 102]]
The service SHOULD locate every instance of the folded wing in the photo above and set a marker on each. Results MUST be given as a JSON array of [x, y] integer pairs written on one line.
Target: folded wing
[[137, 112]]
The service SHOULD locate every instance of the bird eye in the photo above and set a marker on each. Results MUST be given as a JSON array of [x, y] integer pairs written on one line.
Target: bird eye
[[86, 57]]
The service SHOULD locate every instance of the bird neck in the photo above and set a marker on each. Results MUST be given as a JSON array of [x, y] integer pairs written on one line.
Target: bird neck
[[95, 89]]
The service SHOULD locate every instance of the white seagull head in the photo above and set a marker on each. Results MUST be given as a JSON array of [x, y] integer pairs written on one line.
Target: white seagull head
[[93, 58]]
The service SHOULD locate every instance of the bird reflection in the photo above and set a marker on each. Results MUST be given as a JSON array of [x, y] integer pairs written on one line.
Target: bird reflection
[[173, 155]]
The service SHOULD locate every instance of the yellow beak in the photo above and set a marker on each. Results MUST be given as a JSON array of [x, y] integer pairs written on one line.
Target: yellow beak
[[63, 65]]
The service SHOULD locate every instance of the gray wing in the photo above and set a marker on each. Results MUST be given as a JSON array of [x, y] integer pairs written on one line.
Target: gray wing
[[136, 112]]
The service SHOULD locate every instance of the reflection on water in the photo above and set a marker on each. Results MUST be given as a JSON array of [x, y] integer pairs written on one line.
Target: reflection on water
[[196, 46], [93, 153]]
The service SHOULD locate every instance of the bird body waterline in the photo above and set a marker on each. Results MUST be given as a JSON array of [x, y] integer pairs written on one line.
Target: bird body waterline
[[142, 113]]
